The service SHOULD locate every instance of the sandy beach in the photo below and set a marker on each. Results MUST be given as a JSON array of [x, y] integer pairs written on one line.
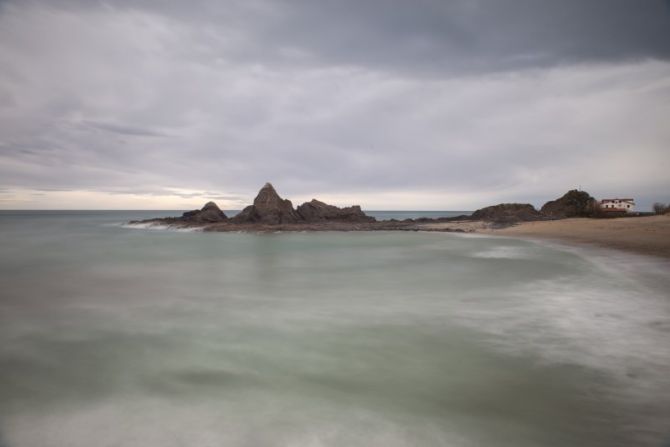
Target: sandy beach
[[645, 235], [649, 235]]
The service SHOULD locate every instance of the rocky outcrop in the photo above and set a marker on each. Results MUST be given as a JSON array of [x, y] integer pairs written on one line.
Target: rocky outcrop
[[209, 213], [268, 208], [507, 213], [574, 203], [317, 211]]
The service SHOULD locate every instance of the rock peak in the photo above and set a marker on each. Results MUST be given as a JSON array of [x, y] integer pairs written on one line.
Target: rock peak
[[269, 208], [209, 213], [268, 197], [267, 189]]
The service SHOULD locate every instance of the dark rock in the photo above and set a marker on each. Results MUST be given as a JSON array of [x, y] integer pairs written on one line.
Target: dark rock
[[317, 211], [460, 217], [268, 208], [507, 213], [574, 203], [209, 213], [247, 215]]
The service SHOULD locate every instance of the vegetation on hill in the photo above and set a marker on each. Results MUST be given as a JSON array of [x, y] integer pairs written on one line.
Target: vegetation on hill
[[507, 213], [573, 203]]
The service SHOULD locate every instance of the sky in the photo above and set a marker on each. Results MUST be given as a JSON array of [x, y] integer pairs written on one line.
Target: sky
[[390, 104]]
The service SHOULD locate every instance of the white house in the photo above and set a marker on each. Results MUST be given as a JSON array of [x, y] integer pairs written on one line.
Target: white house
[[626, 205]]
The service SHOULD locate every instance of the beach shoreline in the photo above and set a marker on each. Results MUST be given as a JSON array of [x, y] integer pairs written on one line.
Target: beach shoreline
[[649, 235]]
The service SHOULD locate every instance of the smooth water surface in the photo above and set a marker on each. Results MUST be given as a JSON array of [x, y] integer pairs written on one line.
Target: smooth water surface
[[402, 215], [113, 336], [380, 215]]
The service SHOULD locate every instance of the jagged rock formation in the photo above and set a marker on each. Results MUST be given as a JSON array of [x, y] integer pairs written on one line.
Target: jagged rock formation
[[317, 211], [507, 213], [268, 208], [208, 214], [574, 203], [270, 212]]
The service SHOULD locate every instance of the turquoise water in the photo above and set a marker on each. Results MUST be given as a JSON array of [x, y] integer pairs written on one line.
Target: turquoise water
[[113, 336]]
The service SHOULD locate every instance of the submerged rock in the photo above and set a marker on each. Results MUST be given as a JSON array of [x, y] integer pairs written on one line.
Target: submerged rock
[[507, 213], [208, 214], [574, 203], [317, 211], [268, 208]]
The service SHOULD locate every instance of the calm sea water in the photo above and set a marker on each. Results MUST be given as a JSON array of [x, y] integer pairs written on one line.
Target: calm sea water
[[113, 336], [401, 215], [384, 215]]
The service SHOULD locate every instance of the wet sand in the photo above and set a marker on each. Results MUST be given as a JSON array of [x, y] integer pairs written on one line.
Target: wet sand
[[648, 235]]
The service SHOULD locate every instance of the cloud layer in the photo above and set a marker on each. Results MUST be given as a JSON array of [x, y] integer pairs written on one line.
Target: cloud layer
[[432, 105]]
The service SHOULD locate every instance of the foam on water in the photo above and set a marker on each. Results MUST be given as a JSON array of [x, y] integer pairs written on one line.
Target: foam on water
[[157, 226], [160, 338], [505, 252]]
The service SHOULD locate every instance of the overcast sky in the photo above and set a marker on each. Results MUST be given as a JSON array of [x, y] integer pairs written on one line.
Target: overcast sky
[[392, 104]]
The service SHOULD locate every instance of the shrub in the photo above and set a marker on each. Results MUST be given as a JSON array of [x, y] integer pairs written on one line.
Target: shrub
[[660, 208], [595, 209]]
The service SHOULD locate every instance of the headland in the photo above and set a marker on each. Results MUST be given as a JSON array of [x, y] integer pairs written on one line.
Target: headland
[[572, 218]]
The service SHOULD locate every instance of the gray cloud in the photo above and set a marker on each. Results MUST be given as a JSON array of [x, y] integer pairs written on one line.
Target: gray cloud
[[483, 100], [428, 36], [475, 36], [122, 129]]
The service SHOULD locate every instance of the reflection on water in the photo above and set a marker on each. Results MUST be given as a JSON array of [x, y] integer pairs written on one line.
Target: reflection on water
[[126, 337]]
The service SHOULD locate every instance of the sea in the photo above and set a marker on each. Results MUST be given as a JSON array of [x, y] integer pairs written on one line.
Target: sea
[[381, 215], [113, 335]]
